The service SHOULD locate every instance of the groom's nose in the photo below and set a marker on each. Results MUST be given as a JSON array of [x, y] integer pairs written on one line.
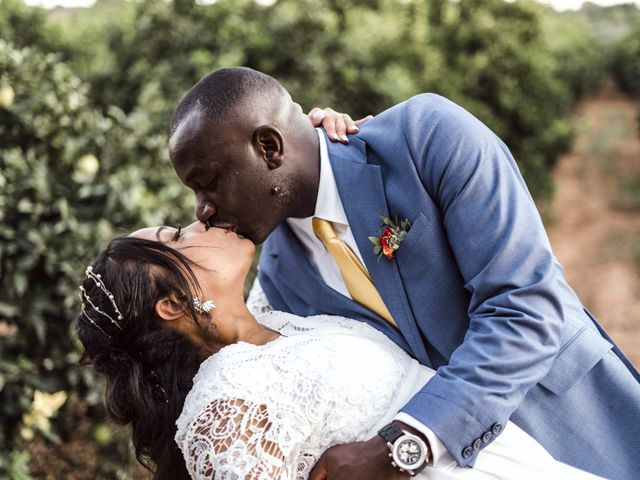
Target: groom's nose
[[205, 210]]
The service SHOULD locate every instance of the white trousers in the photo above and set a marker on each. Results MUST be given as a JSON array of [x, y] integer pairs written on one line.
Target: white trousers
[[513, 455]]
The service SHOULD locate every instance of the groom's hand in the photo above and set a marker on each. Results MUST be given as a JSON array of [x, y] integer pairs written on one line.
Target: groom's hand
[[357, 461]]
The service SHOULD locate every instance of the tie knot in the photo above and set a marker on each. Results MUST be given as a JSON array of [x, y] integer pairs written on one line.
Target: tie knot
[[323, 229]]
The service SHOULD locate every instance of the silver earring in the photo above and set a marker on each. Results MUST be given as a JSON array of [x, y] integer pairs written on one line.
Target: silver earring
[[203, 307]]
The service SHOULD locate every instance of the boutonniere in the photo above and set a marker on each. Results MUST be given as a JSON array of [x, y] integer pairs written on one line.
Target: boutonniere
[[393, 234]]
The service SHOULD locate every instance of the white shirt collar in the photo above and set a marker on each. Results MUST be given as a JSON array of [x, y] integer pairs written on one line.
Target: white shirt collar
[[328, 204]]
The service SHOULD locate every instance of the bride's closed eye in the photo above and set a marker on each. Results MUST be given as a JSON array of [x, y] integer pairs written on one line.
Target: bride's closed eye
[[176, 236]]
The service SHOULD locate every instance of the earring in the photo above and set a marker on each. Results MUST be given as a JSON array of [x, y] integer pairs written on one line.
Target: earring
[[203, 307], [275, 190]]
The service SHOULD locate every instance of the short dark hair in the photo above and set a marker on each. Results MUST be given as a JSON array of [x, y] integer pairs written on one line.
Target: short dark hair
[[220, 91]]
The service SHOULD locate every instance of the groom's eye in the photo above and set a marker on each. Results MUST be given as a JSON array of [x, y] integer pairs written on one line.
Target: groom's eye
[[176, 236], [212, 186]]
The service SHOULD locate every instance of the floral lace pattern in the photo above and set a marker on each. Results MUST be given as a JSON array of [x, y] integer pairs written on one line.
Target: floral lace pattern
[[269, 411], [223, 442]]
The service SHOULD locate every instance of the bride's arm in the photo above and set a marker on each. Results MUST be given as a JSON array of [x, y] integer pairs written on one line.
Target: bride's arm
[[336, 124], [235, 438]]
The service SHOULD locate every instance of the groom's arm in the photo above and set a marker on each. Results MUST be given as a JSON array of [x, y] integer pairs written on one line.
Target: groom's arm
[[504, 257], [503, 254]]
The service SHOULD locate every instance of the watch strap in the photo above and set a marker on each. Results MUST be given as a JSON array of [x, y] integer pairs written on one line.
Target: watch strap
[[391, 433]]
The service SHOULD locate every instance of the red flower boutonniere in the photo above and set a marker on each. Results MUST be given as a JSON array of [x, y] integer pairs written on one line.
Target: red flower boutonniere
[[393, 234]]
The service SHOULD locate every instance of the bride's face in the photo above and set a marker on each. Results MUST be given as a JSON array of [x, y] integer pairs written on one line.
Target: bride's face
[[221, 258]]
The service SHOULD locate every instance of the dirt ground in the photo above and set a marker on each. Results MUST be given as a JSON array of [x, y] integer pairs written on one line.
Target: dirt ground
[[594, 230]]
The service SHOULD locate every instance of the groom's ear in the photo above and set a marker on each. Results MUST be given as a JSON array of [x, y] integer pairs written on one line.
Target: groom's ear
[[168, 309], [269, 143]]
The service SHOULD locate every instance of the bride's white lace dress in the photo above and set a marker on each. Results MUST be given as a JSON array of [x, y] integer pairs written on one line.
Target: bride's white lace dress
[[270, 411]]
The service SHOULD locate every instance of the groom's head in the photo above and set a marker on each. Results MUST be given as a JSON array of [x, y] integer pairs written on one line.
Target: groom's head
[[247, 150]]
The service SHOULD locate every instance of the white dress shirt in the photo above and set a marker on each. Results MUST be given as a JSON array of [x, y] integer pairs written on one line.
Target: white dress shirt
[[329, 207]]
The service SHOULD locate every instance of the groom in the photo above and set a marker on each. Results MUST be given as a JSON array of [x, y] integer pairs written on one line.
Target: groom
[[473, 290]]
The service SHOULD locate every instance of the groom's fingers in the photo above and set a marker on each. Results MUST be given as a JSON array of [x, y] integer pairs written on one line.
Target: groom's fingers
[[319, 471]]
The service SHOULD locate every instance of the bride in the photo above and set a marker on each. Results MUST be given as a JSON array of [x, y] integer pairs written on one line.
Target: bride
[[212, 391]]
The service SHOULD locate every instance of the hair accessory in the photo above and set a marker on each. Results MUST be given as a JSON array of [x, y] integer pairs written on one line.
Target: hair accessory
[[96, 277], [93, 322], [203, 307]]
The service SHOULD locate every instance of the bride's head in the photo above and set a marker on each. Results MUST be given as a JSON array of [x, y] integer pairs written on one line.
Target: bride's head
[[147, 320]]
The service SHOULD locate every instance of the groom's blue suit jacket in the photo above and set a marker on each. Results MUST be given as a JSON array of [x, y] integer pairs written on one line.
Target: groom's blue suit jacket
[[474, 288]]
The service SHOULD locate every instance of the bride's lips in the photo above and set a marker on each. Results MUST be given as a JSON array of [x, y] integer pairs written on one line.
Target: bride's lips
[[225, 226]]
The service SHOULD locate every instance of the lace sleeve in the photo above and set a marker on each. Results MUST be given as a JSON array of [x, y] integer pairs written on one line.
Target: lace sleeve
[[235, 440]]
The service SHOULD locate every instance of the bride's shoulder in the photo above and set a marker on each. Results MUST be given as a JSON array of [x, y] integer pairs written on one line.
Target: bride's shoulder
[[289, 324], [229, 373]]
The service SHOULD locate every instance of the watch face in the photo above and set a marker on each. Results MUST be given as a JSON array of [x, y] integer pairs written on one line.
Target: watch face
[[408, 453]]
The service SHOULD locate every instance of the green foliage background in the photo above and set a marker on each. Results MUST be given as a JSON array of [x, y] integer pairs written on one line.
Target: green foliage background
[[86, 95], [626, 61]]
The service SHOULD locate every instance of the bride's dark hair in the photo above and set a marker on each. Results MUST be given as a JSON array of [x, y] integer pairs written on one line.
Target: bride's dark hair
[[149, 368]]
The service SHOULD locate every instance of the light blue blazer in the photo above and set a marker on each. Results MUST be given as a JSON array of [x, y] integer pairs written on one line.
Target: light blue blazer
[[475, 290]]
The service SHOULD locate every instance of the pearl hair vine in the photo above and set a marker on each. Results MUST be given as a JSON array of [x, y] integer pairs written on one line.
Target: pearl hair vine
[[202, 307], [97, 278]]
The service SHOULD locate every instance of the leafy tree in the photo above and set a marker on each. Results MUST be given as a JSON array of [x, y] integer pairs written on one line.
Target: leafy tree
[[360, 56], [67, 185], [578, 54], [625, 62]]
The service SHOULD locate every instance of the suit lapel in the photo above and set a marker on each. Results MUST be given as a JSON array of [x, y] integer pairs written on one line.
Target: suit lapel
[[300, 276], [363, 197]]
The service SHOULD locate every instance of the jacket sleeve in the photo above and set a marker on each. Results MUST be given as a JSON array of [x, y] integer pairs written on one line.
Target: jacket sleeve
[[503, 254]]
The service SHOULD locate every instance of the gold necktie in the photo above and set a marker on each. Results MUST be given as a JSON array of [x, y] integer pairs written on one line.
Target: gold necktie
[[356, 277]]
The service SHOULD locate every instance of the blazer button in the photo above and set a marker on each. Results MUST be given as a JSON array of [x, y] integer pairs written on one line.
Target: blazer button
[[487, 437], [467, 452], [477, 443], [496, 429]]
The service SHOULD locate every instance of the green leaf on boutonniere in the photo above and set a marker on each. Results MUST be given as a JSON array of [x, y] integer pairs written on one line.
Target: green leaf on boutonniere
[[391, 238], [387, 221]]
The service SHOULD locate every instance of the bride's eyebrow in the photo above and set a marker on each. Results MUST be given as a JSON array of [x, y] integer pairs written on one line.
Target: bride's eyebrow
[[158, 231]]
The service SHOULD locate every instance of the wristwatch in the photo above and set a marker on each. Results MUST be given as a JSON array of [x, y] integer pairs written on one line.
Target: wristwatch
[[408, 452]]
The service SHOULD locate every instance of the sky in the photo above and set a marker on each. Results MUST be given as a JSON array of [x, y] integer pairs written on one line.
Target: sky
[[557, 4]]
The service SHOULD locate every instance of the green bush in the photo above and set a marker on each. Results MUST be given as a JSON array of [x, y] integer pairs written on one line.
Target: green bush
[[70, 178], [361, 56], [579, 58], [626, 62]]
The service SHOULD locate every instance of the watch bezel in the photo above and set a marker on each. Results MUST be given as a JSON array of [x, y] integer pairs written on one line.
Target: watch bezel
[[422, 460]]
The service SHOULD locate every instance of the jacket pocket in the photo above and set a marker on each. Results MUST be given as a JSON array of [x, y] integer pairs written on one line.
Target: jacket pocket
[[578, 356]]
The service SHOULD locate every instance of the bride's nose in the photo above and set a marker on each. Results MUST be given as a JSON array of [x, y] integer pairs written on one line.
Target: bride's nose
[[195, 228]]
